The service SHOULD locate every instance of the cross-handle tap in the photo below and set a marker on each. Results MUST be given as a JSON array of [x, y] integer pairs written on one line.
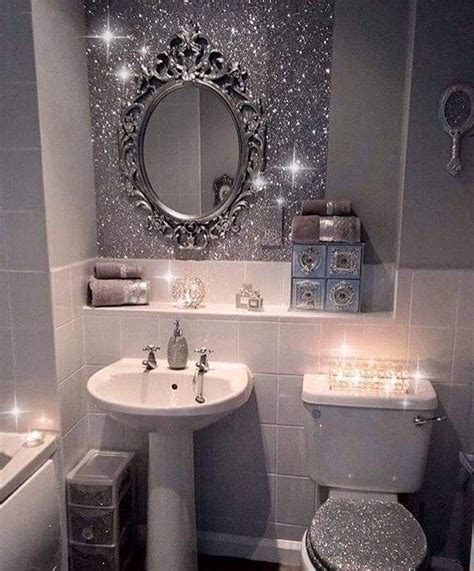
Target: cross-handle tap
[[203, 363], [150, 362]]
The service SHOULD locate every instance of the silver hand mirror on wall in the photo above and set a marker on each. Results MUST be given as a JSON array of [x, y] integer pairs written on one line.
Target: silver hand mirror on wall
[[192, 142], [456, 113]]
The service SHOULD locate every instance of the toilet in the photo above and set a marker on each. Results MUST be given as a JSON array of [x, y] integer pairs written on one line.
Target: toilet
[[363, 448]]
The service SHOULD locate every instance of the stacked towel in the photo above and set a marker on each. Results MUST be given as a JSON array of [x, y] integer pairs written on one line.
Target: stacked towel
[[325, 221], [117, 283]]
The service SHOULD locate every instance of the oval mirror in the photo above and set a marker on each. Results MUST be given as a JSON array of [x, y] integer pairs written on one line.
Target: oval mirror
[[191, 151], [192, 142]]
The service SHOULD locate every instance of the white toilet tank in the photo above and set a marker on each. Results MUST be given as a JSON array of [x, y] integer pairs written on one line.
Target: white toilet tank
[[364, 441]]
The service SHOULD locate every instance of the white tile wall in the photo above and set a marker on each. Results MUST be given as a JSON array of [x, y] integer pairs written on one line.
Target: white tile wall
[[251, 472]]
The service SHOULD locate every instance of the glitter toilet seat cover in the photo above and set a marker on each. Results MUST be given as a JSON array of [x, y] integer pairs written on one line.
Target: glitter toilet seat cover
[[359, 535]]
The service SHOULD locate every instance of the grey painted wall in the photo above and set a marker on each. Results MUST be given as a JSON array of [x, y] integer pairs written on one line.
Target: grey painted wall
[[366, 115], [63, 99], [437, 226], [27, 364]]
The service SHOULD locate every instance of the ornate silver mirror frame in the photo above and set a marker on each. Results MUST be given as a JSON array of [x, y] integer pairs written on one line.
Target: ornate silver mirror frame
[[191, 59], [456, 113]]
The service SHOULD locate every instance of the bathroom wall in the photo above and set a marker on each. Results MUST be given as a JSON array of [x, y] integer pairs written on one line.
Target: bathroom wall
[[251, 476], [371, 46], [69, 195], [27, 372], [284, 46], [436, 204]]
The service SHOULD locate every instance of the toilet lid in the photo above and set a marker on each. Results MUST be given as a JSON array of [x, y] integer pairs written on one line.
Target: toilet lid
[[365, 535]]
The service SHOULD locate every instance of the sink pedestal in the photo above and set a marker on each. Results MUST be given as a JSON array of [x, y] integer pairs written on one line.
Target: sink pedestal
[[171, 539]]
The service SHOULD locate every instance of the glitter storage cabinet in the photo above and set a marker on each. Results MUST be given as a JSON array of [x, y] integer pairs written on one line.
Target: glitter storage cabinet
[[101, 511], [326, 277]]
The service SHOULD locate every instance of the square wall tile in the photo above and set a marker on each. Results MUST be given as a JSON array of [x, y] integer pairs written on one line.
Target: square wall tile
[[459, 412], [4, 300], [265, 389], [266, 277], [258, 346], [75, 444], [386, 343], [3, 240], [66, 358], [290, 405], [434, 298], [30, 295], [340, 341], [463, 362], [6, 356], [8, 421], [62, 296], [16, 46], [403, 293], [22, 179], [19, 112], [137, 333], [26, 241], [220, 336], [295, 500], [291, 455], [39, 405], [79, 342], [430, 351], [103, 339], [106, 433], [299, 348], [225, 280], [465, 313], [190, 269], [34, 355], [237, 497], [80, 275], [71, 404]]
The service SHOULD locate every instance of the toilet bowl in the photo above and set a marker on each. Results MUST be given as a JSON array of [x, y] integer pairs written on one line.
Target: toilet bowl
[[365, 448]]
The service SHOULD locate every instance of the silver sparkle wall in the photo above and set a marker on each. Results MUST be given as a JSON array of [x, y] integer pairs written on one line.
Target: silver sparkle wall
[[286, 47]]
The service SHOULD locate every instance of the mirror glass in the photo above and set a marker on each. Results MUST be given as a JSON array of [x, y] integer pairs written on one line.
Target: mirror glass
[[191, 150]]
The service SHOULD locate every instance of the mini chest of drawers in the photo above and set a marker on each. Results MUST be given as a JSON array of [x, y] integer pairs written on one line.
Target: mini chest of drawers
[[326, 277], [101, 511]]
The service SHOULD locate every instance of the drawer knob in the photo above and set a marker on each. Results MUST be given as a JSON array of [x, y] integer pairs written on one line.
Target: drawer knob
[[87, 534]]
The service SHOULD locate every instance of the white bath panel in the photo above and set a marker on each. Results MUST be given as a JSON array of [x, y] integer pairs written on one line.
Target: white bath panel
[[29, 524]]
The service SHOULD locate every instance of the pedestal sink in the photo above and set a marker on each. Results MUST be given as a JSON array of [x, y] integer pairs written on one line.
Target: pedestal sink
[[163, 403]]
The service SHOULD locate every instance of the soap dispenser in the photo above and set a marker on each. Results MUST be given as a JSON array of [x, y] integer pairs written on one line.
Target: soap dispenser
[[177, 349]]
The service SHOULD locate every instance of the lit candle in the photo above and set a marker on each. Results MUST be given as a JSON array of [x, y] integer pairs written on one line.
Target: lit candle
[[33, 438]]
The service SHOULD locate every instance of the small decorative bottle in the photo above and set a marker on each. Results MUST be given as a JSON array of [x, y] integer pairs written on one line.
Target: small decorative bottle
[[177, 349]]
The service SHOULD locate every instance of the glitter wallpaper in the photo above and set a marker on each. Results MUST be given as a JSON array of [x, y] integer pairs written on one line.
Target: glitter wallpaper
[[285, 45]]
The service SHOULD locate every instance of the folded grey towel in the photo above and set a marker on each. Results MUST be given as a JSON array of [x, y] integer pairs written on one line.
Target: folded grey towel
[[117, 270], [326, 207], [339, 229], [118, 292], [305, 229]]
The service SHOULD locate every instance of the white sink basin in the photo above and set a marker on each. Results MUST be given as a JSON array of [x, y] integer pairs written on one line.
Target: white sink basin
[[163, 402], [162, 399]]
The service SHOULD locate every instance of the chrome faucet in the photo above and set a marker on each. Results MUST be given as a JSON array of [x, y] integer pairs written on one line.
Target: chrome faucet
[[150, 362], [202, 367]]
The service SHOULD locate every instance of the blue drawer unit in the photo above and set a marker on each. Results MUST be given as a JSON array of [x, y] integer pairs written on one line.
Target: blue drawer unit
[[344, 261], [308, 294], [309, 261], [342, 295]]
